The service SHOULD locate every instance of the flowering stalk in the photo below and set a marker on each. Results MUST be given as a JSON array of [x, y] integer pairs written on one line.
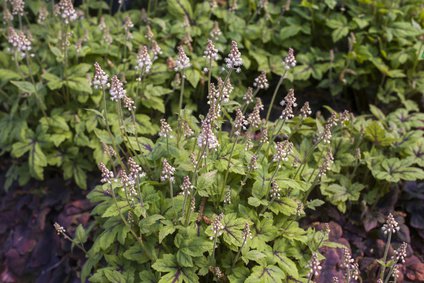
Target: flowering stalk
[[229, 164], [246, 235], [182, 91], [139, 239], [391, 226], [60, 231], [280, 81]]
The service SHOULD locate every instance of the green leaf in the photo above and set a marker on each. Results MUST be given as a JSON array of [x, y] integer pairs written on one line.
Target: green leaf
[[81, 235], [180, 8], [7, 75], [339, 194], [289, 31], [137, 254], [265, 274], [175, 273], [339, 33], [79, 70], [394, 170], [330, 3], [377, 134], [193, 76], [79, 84], [205, 183], [166, 230], [37, 161], [184, 259], [24, 86]]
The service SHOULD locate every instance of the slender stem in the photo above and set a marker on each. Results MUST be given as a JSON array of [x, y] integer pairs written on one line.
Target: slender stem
[[214, 246], [129, 226], [386, 251], [390, 274], [146, 168], [266, 207], [38, 99], [238, 253], [274, 95], [229, 162], [171, 191], [182, 90]]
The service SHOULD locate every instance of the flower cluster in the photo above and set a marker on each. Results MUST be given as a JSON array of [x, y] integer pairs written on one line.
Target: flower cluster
[[17, 7], [264, 135], [186, 186], [207, 138], [246, 234], [60, 230], [239, 122], [217, 226], [7, 16], [211, 52], [248, 96], [144, 63], [400, 253], [289, 102], [108, 150], [283, 150], [156, 49], [261, 82], [254, 118], [289, 61], [225, 88], [326, 164], [128, 25], [182, 62], [117, 91], [305, 111], [100, 79], [275, 192], [234, 61], [128, 103], [349, 265], [19, 41], [187, 131], [391, 226], [314, 265], [216, 31], [253, 163], [135, 170], [167, 172], [107, 175], [165, 129], [66, 10]]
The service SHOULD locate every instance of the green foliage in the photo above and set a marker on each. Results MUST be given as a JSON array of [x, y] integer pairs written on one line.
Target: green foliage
[[369, 49]]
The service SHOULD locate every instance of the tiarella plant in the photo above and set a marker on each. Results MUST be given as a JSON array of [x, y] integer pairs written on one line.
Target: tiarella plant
[[201, 203], [44, 81]]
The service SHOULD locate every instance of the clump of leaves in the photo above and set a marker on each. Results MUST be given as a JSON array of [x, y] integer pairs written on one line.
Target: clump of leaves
[[203, 203], [43, 66], [373, 155]]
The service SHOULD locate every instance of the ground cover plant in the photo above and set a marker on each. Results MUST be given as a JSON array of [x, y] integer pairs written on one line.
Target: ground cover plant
[[238, 194], [46, 122], [201, 180]]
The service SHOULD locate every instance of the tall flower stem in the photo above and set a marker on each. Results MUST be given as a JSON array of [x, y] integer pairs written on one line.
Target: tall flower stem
[[238, 254], [386, 251], [274, 95], [182, 91], [146, 168], [140, 241], [390, 274], [171, 191], [229, 164], [115, 146]]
